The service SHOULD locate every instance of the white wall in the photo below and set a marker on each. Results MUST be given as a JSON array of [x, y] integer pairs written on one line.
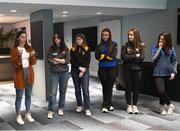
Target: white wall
[[151, 24], [26, 24], [114, 25]]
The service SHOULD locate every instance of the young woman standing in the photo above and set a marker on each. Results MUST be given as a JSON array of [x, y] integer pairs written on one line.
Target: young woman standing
[[58, 57], [80, 60], [133, 54], [106, 53], [22, 58], [164, 57]]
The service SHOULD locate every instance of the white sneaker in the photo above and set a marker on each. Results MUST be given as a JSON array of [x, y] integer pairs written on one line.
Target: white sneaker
[[105, 110], [163, 110], [88, 113], [60, 112], [135, 109], [29, 118], [171, 109], [50, 114], [111, 108], [79, 109], [129, 109], [19, 120]]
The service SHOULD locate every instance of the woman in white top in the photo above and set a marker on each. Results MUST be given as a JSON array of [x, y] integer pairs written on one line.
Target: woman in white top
[[22, 58]]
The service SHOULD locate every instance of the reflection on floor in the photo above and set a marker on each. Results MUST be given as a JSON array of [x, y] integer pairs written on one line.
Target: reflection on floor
[[148, 119]]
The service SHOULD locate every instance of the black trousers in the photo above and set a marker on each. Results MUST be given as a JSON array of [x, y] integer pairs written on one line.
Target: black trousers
[[133, 82], [161, 87], [107, 77]]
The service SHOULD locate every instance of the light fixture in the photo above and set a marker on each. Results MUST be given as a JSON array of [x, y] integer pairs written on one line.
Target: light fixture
[[65, 12], [64, 15], [1, 14], [13, 11], [98, 13]]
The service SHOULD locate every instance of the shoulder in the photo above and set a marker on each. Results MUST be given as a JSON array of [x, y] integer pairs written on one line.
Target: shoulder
[[50, 49], [14, 49], [173, 50], [153, 47], [142, 44], [124, 45], [86, 48], [72, 49], [114, 43]]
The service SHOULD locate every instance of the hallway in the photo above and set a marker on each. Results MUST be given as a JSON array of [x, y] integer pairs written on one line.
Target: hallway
[[148, 119]]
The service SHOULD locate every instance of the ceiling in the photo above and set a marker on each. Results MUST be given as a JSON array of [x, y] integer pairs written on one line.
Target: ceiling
[[23, 11]]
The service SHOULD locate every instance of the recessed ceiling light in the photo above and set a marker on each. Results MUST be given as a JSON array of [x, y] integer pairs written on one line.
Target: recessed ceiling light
[[98, 13], [65, 12], [64, 15], [13, 11], [1, 14]]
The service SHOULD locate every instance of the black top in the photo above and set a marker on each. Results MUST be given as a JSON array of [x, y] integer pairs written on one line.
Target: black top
[[80, 57], [128, 55]]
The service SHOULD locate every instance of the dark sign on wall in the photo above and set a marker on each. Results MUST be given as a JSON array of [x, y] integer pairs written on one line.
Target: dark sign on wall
[[37, 38]]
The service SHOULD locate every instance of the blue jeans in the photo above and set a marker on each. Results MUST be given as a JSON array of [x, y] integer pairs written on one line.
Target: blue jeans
[[84, 83], [19, 94], [60, 78]]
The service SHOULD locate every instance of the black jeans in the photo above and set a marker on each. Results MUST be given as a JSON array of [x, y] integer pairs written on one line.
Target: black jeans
[[107, 77], [161, 87], [133, 82]]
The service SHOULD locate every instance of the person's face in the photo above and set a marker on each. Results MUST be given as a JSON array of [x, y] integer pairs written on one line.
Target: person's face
[[57, 40], [79, 41], [162, 39], [22, 39], [105, 36], [131, 36]]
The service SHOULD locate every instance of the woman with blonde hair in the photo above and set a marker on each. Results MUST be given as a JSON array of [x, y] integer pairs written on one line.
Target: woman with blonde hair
[[80, 60], [133, 54]]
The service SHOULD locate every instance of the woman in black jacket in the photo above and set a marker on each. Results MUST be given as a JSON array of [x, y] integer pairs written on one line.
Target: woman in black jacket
[[132, 54], [106, 53], [80, 60]]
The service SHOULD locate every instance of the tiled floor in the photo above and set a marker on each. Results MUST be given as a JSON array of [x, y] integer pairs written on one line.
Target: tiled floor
[[148, 119]]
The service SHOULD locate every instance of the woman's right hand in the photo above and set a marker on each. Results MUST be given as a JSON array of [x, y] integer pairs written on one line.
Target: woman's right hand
[[20, 51], [160, 44]]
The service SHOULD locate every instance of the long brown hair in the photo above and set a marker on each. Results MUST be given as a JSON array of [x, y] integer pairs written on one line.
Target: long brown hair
[[110, 47], [137, 39], [81, 35], [16, 44], [168, 42], [62, 43]]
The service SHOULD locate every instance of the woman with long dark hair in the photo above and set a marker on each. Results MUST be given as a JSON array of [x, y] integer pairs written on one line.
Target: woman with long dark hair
[[22, 58], [133, 54], [164, 57], [80, 60], [106, 53], [58, 57]]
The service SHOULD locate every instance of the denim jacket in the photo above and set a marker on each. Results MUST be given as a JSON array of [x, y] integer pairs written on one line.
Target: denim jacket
[[165, 63]]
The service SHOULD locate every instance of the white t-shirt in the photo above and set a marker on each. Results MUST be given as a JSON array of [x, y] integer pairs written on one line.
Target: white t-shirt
[[24, 57]]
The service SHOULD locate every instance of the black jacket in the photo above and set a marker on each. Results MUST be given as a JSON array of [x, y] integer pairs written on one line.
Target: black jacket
[[80, 57], [128, 55]]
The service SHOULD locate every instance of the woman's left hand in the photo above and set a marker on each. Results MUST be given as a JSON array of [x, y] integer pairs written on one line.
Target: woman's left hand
[[172, 76]]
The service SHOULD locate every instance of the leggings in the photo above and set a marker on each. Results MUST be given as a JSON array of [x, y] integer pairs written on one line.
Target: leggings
[[161, 87]]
